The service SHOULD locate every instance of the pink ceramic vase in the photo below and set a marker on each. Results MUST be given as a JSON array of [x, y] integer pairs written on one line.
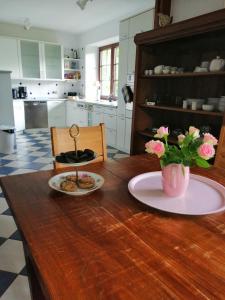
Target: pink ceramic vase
[[175, 179]]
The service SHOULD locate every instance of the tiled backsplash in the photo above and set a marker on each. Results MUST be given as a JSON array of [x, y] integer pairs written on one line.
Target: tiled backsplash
[[51, 89]]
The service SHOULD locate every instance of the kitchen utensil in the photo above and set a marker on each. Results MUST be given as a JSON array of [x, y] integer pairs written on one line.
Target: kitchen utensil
[[22, 92], [158, 69], [217, 64], [208, 107]]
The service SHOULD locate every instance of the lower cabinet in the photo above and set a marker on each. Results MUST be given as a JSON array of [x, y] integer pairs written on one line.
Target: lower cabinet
[[76, 113], [19, 116], [120, 139], [97, 117], [127, 141], [110, 137], [56, 113]]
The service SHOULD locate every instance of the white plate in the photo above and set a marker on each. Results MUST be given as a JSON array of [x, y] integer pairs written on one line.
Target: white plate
[[203, 196], [55, 181], [77, 164]]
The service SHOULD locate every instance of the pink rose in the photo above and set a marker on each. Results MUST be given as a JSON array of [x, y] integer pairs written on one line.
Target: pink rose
[[161, 132], [155, 147], [206, 151], [210, 139], [181, 138], [194, 132]]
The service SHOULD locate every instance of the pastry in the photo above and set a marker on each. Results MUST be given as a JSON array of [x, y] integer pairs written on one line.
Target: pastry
[[68, 186], [86, 182], [71, 178]]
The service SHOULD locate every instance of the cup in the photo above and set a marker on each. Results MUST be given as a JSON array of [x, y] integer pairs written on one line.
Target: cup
[[205, 64], [185, 104], [194, 105], [146, 72]]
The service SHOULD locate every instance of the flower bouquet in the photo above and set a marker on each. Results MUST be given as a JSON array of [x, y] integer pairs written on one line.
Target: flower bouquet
[[176, 161]]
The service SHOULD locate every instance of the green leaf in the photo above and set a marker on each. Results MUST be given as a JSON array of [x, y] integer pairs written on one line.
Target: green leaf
[[200, 162]]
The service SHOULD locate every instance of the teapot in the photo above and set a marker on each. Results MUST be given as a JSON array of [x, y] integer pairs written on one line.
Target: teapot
[[217, 64]]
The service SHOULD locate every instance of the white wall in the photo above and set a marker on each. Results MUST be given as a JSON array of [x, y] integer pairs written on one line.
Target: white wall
[[185, 9], [103, 32], [64, 38]]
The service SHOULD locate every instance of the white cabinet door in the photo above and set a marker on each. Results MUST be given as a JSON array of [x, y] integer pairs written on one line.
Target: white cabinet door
[[131, 56], [127, 134], [30, 52], [110, 121], [9, 57], [19, 116], [52, 61], [97, 117], [123, 50], [124, 29], [72, 113], [56, 113], [141, 23], [110, 137], [120, 133], [83, 117]]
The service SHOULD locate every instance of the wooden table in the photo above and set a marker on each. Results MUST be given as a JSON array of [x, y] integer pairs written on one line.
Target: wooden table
[[109, 246]]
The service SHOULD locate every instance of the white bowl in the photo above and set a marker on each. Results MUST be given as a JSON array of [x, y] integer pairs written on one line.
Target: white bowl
[[208, 107]]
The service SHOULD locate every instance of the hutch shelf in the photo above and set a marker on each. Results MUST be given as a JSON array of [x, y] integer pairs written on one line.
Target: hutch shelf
[[185, 45]]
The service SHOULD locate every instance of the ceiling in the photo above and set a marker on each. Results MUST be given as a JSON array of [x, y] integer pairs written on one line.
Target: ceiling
[[65, 15]]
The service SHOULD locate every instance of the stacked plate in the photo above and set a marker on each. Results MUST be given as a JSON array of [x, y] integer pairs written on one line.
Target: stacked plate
[[198, 102], [221, 106]]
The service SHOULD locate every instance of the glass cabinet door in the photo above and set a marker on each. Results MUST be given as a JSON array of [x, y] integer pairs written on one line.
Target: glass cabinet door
[[30, 59], [53, 61]]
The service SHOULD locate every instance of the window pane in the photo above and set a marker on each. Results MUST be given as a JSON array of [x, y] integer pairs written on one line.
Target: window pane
[[115, 88], [116, 72], [116, 55], [105, 88], [105, 73], [105, 57]]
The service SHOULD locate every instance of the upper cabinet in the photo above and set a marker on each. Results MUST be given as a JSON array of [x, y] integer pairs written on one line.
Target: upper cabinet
[[141, 23], [30, 59], [124, 29], [9, 56], [53, 61]]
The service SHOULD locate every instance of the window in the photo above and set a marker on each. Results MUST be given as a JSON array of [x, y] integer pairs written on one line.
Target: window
[[108, 70]]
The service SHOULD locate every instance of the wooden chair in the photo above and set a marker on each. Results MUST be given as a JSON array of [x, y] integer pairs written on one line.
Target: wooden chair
[[92, 137], [220, 152]]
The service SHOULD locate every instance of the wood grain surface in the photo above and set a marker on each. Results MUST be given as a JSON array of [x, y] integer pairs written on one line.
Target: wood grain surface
[[107, 245]]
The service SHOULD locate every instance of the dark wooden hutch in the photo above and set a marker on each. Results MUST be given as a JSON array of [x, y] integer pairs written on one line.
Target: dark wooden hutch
[[185, 44]]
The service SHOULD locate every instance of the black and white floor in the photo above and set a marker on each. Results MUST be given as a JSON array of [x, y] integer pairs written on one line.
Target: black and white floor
[[33, 154]]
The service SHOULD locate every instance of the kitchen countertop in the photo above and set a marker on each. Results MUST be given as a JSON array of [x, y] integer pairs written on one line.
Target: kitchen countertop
[[84, 100]]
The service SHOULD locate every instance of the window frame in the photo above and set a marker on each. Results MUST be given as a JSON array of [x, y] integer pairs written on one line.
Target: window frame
[[112, 47]]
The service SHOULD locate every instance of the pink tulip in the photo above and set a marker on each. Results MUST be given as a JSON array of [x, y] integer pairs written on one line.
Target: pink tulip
[[161, 132], [181, 138], [210, 139], [194, 132], [155, 147], [206, 151]]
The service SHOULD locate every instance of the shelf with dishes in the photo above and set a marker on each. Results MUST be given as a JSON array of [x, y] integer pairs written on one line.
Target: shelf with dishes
[[183, 75], [182, 110], [147, 133]]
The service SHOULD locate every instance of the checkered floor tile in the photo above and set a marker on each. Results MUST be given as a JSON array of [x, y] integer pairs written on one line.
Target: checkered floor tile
[[33, 153]]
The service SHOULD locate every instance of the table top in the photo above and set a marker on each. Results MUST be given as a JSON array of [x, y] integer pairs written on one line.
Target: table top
[[107, 245]]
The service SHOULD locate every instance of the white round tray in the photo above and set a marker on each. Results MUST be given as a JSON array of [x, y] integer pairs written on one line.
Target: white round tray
[[55, 181], [203, 196]]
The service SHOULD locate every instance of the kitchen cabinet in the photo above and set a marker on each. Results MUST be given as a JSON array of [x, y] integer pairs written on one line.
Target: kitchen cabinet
[[110, 137], [131, 56], [141, 23], [30, 59], [127, 140], [97, 115], [120, 139], [76, 113], [187, 51], [19, 115], [9, 56], [124, 29], [53, 61], [56, 113]]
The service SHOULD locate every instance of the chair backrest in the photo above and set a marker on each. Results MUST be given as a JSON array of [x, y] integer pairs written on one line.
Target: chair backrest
[[92, 137], [220, 152]]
